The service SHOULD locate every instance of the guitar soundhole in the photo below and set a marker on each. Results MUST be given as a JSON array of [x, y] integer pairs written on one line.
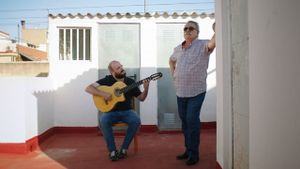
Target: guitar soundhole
[[117, 92]]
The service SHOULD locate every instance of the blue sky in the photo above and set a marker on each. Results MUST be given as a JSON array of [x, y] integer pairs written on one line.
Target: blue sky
[[35, 12]]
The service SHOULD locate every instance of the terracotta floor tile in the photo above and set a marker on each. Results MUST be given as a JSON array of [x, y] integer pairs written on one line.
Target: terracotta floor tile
[[88, 151]]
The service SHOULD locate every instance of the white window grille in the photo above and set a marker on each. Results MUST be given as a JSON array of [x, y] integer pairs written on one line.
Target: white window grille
[[74, 44]]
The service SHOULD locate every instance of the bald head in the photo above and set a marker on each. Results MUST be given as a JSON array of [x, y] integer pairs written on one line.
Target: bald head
[[116, 69], [113, 64]]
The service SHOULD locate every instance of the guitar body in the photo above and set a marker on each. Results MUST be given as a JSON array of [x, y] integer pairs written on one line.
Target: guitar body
[[106, 106], [117, 91]]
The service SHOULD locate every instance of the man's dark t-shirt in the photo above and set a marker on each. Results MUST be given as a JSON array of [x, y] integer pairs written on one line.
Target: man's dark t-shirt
[[109, 80]]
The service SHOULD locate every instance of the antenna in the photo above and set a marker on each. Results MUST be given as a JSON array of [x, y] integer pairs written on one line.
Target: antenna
[[18, 33], [145, 6]]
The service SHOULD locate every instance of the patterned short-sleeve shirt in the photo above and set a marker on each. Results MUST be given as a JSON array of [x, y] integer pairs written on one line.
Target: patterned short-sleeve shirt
[[191, 68]]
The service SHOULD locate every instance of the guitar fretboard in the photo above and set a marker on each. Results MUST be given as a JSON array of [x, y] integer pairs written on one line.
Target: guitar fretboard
[[130, 87]]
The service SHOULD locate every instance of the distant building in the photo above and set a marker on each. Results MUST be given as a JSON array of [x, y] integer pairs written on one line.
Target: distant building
[[7, 48], [31, 54], [36, 38]]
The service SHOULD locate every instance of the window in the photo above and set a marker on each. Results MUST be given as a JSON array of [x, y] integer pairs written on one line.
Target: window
[[74, 44]]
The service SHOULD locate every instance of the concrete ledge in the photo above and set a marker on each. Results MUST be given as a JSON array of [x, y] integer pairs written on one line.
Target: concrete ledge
[[30, 68], [33, 143]]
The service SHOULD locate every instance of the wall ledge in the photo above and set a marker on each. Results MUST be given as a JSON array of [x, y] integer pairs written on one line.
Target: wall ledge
[[33, 143]]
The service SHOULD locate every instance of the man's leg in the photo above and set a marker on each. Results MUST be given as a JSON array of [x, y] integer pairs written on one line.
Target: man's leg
[[193, 125], [106, 121], [133, 121], [182, 107]]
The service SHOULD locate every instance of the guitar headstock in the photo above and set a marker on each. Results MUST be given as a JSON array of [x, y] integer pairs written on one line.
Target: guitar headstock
[[156, 76]]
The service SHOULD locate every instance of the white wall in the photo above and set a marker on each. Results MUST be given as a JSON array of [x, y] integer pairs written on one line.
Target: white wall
[[224, 90], [274, 38], [209, 108], [148, 108], [25, 112], [73, 106], [6, 44], [12, 112], [39, 105]]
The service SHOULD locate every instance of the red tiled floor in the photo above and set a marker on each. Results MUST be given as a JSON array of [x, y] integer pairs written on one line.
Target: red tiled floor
[[88, 151]]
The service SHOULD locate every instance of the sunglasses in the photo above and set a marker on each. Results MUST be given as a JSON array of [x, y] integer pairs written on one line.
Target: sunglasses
[[188, 28]]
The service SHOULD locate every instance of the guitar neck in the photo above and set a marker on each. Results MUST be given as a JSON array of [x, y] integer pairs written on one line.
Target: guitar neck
[[130, 87]]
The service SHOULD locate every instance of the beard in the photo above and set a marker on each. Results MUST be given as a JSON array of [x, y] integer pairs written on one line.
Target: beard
[[120, 75]]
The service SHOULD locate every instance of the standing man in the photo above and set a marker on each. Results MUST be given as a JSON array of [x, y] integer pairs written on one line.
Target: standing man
[[188, 64], [122, 112]]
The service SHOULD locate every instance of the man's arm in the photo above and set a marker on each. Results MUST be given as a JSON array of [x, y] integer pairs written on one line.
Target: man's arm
[[172, 64], [144, 94], [92, 89], [212, 43]]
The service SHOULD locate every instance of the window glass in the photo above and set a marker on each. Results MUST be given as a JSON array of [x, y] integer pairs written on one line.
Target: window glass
[[169, 36], [68, 44], [119, 42], [87, 44], [61, 44], [80, 44], [74, 44]]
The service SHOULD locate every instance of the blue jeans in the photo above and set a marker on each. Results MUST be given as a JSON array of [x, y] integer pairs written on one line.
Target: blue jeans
[[108, 119], [189, 113]]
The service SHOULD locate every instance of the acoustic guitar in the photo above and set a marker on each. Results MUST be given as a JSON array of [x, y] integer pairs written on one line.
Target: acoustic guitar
[[117, 91]]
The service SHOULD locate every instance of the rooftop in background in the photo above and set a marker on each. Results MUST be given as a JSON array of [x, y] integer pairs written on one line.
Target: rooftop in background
[[32, 53]]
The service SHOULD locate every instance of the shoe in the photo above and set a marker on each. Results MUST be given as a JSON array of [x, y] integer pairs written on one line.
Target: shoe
[[182, 156], [113, 156], [191, 161], [122, 154]]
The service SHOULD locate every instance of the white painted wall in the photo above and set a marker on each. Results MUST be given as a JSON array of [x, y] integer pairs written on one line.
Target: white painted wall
[[221, 80], [73, 106], [274, 83], [208, 110], [38, 105], [12, 112], [25, 111], [148, 108], [274, 38], [6, 44]]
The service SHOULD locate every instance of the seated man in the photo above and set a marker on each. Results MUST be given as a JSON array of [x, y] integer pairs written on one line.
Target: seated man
[[122, 111]]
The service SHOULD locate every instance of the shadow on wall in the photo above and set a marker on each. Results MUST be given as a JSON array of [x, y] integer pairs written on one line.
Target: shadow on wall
[[45, 110], [68, 105]]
